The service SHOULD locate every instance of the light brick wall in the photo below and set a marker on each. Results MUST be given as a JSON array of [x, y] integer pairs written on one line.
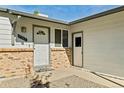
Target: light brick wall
[[61, 57], [15, 61]]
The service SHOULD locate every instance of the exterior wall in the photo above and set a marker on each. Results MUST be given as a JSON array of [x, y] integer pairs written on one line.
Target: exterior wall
[[61, 57], [5, 32], [29, 22], [15, 62], [103, 43], [102, 39]]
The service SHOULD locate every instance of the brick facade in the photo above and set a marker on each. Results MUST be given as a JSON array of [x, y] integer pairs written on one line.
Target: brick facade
[[15, 61], [61, 57], [19, 61]]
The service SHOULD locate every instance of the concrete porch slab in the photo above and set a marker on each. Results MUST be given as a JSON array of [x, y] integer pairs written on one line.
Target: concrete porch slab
[[61, 73]]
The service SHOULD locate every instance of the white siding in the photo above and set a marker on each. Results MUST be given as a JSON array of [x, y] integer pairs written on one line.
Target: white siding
[[5, 32], [103, 38]]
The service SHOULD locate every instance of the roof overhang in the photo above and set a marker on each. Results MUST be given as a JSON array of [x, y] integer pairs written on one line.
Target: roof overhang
[[33, 16], [108, 12]]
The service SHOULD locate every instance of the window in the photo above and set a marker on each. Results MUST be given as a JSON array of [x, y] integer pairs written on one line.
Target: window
[[65, 38], [57, 37], [78, 42]]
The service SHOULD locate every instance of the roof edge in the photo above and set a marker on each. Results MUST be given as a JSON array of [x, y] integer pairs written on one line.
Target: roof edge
[[111, 11], [14, 12]]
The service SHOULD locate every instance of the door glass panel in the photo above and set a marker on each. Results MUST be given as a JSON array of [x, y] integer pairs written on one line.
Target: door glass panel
[[78, 42]]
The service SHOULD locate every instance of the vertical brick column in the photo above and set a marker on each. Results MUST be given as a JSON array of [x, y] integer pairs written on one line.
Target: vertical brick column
[[61, 57]]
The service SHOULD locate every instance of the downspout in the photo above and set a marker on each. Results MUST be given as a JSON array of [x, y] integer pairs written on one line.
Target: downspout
[[13, 34], [13, 23]]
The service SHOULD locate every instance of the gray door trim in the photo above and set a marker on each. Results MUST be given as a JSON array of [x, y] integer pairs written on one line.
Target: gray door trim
[[33, 26], [41, 27], [73, 49]]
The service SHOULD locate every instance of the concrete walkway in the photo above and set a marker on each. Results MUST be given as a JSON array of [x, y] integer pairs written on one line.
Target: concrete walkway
[[76, 77], [74, 82]]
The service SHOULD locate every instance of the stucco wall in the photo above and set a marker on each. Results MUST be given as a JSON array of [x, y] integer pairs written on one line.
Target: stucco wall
[[29, 22], [15, 62], [103, 43], [61, 57]]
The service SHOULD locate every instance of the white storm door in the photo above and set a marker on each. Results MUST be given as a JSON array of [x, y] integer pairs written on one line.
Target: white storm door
[[41, 45], [77, 50]]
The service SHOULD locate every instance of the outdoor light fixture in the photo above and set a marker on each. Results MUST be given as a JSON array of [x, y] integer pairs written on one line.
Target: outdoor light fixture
[[23, 29]]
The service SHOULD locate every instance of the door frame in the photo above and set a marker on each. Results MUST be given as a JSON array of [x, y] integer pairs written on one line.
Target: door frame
[[73, 49], [33, 26]]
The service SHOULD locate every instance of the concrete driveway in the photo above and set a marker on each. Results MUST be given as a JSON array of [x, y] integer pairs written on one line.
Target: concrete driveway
[[74, 77]]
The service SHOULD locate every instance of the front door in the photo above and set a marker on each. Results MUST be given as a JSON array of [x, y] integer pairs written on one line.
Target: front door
[[77, 49], [41, 45]]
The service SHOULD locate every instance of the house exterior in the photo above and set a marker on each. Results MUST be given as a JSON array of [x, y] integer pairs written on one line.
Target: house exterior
[[95, 42]]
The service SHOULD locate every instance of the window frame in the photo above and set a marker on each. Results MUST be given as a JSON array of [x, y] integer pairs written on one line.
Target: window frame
[[23, 29], [61, 38], [67, 37], [55, 37]]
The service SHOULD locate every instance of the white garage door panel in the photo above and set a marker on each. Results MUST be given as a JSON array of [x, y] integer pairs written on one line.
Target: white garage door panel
[[6, 22], [3, 18], [5, 32], [5, 37], [7, 27], [8, 32], [2, 41]]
